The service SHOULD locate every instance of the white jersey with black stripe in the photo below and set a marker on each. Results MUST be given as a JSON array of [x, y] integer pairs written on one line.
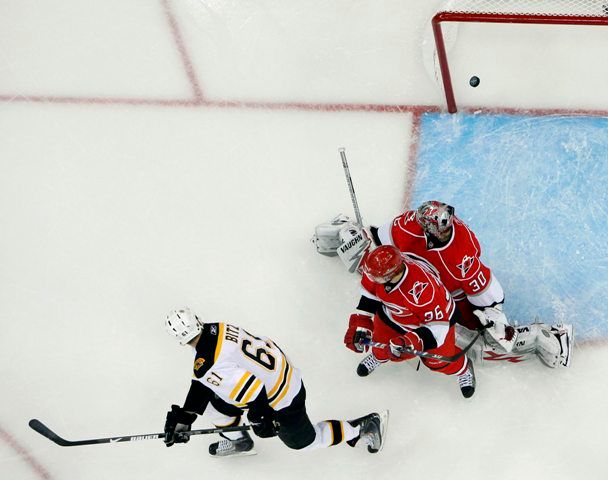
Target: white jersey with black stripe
[[235, 365]]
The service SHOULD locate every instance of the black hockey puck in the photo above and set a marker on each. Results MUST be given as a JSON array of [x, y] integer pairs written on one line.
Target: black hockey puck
[[474, 81]]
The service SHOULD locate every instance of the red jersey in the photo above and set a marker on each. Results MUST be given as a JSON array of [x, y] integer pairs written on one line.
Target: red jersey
[[418, 299], [457, 262]]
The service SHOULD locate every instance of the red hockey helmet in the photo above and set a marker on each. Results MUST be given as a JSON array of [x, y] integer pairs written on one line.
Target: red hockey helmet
[[435, 218], [383, 263]]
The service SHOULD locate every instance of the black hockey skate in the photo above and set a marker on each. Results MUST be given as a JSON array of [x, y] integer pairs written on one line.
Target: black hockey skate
[[466, 380], [368, 365], [372, 431], [232, 448]]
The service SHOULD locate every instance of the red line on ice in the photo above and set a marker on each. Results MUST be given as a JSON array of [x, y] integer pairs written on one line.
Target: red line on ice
[[198, 99], [183, 51], [25, 455]]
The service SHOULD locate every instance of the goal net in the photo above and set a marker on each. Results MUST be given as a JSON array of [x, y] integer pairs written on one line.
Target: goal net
[[540, 12]]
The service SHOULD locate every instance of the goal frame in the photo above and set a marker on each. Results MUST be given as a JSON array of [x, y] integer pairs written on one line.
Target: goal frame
[[486, 17]]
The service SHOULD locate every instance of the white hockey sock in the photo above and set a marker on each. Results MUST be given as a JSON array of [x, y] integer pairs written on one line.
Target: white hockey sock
[[332, 432], [232, 435], [221, 420]]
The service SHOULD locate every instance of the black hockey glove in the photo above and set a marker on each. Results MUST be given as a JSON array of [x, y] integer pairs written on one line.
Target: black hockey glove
[[178, 421], [262, 423]]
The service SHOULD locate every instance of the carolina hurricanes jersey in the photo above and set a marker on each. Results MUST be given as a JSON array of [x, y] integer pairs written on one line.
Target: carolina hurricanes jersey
[[417, 300], [457, 262], [236, 365]]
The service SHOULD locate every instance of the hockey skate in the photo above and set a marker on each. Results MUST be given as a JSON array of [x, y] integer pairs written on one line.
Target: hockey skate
[[368, 365], [372, 431], [466, 380], [232, 448], [565, 335]]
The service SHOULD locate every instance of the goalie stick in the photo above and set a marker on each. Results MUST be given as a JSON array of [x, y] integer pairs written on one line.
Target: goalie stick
[[351, 189], [419, 353], [45, 431]]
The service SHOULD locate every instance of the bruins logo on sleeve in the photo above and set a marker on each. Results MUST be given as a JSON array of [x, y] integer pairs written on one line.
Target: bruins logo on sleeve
[[198, 363], [208, 347]]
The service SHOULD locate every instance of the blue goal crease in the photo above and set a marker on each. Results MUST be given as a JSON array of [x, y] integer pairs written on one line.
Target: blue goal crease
[[534, 191]]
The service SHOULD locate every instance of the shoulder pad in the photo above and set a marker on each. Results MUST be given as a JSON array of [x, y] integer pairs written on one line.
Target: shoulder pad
[[408, 224]]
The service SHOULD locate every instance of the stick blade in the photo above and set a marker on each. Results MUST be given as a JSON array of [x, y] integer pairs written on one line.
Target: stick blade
[[45, 431]]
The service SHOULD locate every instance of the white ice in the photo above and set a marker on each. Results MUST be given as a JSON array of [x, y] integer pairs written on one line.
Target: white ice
[[118, 203]]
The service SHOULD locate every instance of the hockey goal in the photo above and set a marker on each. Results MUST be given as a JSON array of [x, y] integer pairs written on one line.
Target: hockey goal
[[541, 12]]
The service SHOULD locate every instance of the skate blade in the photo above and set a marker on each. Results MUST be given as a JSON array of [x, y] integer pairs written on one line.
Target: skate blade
[[249, 453], [383, 427]]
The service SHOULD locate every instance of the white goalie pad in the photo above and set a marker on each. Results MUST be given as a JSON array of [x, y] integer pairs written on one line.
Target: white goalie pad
[[327, 235], [551, 344]]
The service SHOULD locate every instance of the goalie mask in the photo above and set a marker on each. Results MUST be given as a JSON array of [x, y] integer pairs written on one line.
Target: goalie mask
[[435, 218], [183, 324], [383, 264]]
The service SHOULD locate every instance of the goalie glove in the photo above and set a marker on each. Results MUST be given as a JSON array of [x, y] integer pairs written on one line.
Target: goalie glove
[[360, 329], [354, 245], [327, 235], [497, 326]]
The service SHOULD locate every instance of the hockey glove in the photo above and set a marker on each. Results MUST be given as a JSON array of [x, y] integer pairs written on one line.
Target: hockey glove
[[262, 423], [399, 345], [354, 246], [178, 421], [360, 328]]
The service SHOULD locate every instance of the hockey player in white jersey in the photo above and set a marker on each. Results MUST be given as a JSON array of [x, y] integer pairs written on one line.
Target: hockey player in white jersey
[[237, 372]]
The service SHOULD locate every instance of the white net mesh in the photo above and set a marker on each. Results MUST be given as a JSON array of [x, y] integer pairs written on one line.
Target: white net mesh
[[586, 8]]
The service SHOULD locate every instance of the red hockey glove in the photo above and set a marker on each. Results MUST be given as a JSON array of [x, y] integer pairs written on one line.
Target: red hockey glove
[[360, 327], [397, 345]]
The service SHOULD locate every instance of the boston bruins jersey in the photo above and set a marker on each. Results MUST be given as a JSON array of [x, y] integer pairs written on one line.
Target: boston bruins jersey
[[236, 366]]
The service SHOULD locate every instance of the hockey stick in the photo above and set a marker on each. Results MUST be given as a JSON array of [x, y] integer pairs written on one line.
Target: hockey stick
[[351, 189], [45, 431], [419, 353]]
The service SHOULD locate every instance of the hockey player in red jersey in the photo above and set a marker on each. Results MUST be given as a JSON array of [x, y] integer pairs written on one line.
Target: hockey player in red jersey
[[404, 305], [432, 233]]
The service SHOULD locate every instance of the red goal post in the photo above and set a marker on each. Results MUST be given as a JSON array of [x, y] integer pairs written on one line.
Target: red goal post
[[541, 12]]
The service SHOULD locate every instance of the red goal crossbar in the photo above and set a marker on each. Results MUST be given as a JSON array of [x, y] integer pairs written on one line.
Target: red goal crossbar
[[485, 17]]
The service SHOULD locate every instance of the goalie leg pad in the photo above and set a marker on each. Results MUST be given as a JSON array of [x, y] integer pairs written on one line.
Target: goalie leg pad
[[565, 335], [552, 345], [548, 347]]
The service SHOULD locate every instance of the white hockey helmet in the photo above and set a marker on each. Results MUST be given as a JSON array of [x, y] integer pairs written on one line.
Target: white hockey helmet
[[435, 218], [183, 324]]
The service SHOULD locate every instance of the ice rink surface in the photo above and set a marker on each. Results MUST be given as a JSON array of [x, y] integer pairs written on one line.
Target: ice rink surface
[[159, 153]]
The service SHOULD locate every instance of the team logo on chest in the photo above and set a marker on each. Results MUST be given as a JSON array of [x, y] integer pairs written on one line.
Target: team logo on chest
[[465, 265], [416, 291]]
